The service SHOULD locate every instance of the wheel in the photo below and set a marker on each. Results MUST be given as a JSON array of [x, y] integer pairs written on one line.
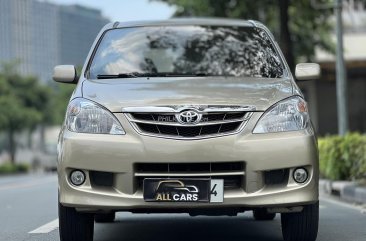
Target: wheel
[[105, 217], [263, 215], [302, 226], [75, 226]]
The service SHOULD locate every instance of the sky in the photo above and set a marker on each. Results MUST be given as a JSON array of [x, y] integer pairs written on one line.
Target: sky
[[126, 10]]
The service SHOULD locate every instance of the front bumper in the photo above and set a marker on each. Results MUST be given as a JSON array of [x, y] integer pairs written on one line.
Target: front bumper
[[120, 154]]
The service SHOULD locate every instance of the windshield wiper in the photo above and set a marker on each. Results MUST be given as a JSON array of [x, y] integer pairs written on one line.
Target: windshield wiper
[[117, 76], [137, 75], [185, 74]]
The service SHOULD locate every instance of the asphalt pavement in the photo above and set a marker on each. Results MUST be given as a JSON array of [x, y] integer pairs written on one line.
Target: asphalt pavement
[[28, 211]]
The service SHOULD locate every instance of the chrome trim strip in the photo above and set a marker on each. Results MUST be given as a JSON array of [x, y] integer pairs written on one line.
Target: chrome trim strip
[[253, 23], [149, 109], [230, 109], [194, 174], [176, 109]]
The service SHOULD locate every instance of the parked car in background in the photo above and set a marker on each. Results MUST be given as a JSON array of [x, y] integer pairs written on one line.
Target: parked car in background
[[198, 116]]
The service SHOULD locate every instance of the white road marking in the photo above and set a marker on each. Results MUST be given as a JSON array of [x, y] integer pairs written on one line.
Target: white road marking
[[48, 227]]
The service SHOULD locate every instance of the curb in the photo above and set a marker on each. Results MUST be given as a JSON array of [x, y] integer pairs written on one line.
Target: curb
[[346, 190]]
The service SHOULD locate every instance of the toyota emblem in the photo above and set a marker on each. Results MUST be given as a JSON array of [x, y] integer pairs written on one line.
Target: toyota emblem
[[189, 117]]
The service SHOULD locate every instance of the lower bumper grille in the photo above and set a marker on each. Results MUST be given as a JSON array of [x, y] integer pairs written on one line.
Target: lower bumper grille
[[231, 172], [101, 179]]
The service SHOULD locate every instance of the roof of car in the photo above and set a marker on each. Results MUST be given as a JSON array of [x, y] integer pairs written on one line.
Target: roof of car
[[187, 21]]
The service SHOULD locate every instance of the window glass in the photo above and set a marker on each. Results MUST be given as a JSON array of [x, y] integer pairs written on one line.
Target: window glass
[[187, 50]]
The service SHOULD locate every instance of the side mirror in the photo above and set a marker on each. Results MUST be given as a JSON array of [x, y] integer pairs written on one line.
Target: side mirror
[[65, 74], [307, 71]]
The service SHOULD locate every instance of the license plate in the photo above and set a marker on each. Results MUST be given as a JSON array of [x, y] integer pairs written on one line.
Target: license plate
[[183, 190]]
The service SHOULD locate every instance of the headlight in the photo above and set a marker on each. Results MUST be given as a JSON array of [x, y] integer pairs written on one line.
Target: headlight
[[85, 116], [288, 115]]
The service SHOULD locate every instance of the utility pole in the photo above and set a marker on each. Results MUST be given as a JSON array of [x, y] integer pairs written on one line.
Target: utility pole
[[341, 75]]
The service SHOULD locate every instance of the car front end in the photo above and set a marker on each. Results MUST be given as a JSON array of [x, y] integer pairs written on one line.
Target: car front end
[[142, 138], [257, 168]]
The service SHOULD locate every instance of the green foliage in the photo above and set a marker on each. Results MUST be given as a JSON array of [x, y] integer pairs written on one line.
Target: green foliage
[[343, 158], [9, 168], [22, 100], [25, 103], [309, 27], [56, 110], [22, 103]]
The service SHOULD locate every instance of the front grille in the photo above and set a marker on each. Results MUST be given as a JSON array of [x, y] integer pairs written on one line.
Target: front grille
[[231, 172], [163, 122], [171, 117]]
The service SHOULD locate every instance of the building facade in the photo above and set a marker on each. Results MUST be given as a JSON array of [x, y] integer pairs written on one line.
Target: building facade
[[321, 94], [78, 29], [41, 35]]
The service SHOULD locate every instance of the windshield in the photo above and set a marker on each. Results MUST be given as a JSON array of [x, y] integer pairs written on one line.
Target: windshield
[[186, 50]]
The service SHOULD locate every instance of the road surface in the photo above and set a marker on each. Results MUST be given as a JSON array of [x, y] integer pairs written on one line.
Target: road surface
[[28, 211]]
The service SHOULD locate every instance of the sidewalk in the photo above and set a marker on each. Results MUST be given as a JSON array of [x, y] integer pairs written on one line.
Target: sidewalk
[[346, 190]]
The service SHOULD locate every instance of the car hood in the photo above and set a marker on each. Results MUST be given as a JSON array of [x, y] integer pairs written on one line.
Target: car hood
[[116, 94]]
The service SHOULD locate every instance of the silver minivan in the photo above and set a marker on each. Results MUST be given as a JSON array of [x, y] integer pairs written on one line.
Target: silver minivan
[[198, 116]]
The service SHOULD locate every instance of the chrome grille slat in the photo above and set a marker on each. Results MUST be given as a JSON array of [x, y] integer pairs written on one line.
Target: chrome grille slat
[[214, 121], [176, 109], [192, 174], [231, 172]]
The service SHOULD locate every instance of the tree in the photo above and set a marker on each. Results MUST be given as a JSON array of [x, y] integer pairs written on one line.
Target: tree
[[298, 26], [61, 94], [23, 103]]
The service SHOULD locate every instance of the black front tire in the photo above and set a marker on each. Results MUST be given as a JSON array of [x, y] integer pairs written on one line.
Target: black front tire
[[75, 226], [263, 215], [302, 226], [105, 217]]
